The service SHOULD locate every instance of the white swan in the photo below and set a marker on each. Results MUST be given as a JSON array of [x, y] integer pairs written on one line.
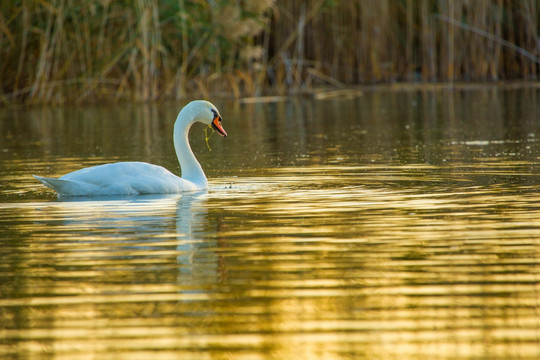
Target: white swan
[[137, 178]]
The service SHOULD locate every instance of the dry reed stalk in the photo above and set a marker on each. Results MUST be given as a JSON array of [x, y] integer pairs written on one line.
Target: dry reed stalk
[[24, 41], [448, 61], [148, 44], [530, 33], [427, 42], [182, 71], [409, 39]]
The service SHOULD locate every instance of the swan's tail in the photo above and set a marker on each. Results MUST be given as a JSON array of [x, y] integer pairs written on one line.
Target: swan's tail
[[48, 182], [62, 187]]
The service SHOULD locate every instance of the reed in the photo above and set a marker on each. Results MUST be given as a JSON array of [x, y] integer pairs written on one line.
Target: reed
[[420, 40], [55, 51]]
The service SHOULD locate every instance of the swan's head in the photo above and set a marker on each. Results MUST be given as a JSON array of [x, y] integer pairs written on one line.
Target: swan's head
[[205, 112]]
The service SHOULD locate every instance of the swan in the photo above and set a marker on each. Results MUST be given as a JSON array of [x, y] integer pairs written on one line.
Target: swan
[[138, 178]]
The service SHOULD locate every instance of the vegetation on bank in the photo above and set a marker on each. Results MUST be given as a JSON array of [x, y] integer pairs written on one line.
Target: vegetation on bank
[[54, 51]]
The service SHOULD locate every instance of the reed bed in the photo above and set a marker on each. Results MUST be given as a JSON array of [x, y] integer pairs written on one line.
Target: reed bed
[[55, 51]]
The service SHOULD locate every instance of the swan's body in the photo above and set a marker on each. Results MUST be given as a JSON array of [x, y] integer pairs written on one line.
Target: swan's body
[[137, 178]]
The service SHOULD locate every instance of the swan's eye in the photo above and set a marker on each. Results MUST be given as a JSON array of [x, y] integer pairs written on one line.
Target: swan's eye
[[215, 113]]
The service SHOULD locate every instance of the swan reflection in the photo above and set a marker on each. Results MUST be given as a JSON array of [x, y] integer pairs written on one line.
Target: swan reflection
[[196, 259], [168, 234]]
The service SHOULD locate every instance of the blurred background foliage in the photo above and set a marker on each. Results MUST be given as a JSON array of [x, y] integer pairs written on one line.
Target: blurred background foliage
[[55, 51]]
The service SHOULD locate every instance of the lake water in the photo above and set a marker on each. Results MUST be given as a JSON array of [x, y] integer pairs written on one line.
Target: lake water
[[384, 224]]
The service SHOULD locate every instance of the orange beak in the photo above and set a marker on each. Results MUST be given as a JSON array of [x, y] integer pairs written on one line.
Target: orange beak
[[216, 124]]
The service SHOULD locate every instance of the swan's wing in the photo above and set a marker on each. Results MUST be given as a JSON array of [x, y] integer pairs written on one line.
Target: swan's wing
[[107, 174]]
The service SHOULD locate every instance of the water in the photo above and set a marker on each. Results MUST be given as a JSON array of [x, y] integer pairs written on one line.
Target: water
[[388, 224]]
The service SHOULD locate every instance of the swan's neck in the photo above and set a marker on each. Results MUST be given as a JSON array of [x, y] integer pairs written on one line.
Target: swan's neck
[[191, 169]]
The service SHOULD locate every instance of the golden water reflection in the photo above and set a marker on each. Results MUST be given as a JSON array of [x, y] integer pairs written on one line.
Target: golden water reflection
[[281, 270], [393, 225]]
